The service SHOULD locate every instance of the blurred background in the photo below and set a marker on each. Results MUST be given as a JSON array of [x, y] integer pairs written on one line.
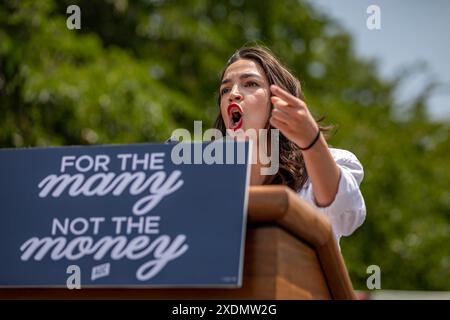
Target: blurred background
[[137, 70]]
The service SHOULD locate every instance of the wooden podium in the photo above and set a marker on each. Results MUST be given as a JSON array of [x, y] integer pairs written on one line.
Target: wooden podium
[[290, 253]]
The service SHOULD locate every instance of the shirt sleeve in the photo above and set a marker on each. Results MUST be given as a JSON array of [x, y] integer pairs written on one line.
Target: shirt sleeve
[[348, 210]]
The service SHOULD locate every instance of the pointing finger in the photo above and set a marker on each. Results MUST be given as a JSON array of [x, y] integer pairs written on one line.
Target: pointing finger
[[283, 94]]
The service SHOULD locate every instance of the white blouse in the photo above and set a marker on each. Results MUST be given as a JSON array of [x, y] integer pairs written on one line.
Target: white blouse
[[348, 210]]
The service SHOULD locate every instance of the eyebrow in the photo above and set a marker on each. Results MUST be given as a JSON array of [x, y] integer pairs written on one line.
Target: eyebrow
[[242, 76]]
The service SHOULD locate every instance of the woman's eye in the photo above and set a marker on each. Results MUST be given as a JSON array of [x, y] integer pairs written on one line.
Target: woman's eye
[[224, 90], [251, 84]]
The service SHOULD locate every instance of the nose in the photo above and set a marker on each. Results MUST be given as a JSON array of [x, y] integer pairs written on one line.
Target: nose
[[235, 95]]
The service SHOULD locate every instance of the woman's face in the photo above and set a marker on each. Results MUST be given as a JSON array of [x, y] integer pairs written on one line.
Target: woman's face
[[244, 96]]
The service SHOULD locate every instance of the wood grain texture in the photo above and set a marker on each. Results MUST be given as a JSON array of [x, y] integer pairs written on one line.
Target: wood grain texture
[[306, 223]]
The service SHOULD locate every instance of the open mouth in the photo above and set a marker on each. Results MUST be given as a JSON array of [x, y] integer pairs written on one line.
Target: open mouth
[[235, 113]]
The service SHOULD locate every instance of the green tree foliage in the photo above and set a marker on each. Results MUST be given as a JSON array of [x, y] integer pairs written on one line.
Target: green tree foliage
[[139, 69]]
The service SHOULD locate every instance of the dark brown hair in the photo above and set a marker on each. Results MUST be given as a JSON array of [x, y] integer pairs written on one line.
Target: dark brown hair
[[292, 171]]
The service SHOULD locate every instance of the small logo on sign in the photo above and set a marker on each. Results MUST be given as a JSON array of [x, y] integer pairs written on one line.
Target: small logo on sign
[[100, 271]]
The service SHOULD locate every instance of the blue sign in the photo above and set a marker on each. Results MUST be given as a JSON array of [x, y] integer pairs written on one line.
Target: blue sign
[[145, 215]]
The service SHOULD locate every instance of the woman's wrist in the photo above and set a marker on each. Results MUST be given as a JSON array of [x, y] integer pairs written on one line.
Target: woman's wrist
[[313, 142], [310, 139]]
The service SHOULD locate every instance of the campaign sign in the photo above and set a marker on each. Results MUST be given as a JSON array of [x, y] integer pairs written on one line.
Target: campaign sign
[[145, 215]]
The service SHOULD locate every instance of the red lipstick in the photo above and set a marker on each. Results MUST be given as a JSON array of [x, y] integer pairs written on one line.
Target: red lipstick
[[235, 116]]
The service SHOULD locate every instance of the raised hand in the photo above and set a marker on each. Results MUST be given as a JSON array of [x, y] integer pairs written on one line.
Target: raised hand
[[292, 117]]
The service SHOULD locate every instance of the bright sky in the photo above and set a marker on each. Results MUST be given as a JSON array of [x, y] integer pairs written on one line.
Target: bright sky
[[412, 31]]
